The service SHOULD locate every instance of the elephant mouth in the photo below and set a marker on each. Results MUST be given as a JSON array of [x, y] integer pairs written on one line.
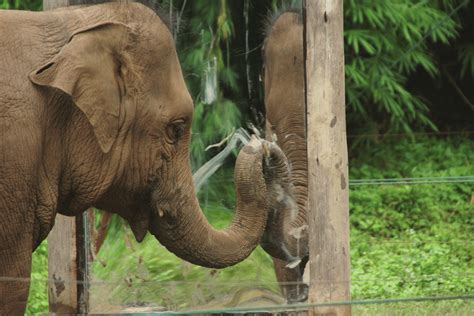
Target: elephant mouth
[[140, 225], [145, 217], [149, 220]]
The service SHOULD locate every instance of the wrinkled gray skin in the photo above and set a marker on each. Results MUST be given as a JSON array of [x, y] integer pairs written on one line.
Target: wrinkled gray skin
[[286, 239], [94, 111]]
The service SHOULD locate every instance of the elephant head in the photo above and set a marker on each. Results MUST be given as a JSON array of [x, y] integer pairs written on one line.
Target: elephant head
[[286, 239], [124, 114]]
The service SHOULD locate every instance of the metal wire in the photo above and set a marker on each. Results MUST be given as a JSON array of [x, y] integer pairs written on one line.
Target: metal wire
[[411, 242], [396, 181], [414, 134], [413, 179], [142, 282], [339, 303], [410, 182], [416, 180], [411, 134]]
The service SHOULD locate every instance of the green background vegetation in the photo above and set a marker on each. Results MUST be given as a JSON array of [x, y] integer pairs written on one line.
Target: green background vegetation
[[409, 69]]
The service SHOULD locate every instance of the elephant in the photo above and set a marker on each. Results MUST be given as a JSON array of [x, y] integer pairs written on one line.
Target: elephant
[[286, 240], [94, 112]]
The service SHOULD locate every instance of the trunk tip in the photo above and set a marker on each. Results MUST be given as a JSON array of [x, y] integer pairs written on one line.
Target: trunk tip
[[293, 264]]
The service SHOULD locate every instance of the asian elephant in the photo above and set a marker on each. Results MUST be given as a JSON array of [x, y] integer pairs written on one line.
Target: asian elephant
[[94, 111], [283, 77]]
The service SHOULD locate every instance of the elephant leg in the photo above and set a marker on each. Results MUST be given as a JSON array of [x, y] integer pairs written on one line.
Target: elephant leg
[[15, 269], [291, 281]]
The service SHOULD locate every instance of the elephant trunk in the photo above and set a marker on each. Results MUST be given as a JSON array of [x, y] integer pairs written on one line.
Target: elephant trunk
[[182, 227], [286, 235]]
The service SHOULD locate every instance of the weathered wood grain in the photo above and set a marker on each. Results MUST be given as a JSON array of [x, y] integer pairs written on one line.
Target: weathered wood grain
[[328, 188]]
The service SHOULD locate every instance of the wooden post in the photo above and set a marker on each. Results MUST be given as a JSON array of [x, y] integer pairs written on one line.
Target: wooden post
[[62, 267], [327, 157], [53, 4], [67, 251]]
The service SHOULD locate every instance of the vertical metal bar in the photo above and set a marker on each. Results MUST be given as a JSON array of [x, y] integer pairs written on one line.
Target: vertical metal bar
[[83, 251]]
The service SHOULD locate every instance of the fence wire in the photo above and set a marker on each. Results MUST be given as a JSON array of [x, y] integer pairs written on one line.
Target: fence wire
[[415, 180], [396, 181], [248, 283], [414, 134], [296, 307]]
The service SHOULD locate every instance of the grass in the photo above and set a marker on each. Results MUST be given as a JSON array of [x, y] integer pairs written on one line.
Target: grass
[[167, 280], [440, 308], [413, 240], [406, 241]]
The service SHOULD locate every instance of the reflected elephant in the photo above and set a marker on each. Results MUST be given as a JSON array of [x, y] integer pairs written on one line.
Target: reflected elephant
[[94, 111], [286, 239]]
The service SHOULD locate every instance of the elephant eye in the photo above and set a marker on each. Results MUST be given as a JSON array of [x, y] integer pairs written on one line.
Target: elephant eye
[[175, 130]]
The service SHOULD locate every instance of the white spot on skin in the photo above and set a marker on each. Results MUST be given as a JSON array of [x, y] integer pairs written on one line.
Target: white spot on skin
[[306, 274], [274, 137], [293, 208], [280, 194], [298, 231], [293, 264], [292, 261], [266, 150]]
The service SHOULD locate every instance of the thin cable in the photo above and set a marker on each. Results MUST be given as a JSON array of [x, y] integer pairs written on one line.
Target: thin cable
[[409, 242], [250, 51], [414, 134], [410, 134], [413, 179], [410, 182], [307, 306], [142, 282], [395, 181]]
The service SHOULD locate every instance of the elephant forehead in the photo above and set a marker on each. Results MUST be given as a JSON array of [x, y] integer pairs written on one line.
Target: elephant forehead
[[286, 24], [286, 20], [286, 37], [159, 67], [154, 42]]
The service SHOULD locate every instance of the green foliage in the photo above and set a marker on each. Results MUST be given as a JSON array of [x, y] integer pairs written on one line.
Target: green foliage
[[203, 46], [428, 308], [466, 57], [211, 123], [219, 189], [34, 5], [38, 296], [148, 273], [386, 41], [412, 240], [388, 211]]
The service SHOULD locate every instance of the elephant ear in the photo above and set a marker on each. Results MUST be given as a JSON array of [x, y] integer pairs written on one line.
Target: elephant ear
[[89, 69]]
